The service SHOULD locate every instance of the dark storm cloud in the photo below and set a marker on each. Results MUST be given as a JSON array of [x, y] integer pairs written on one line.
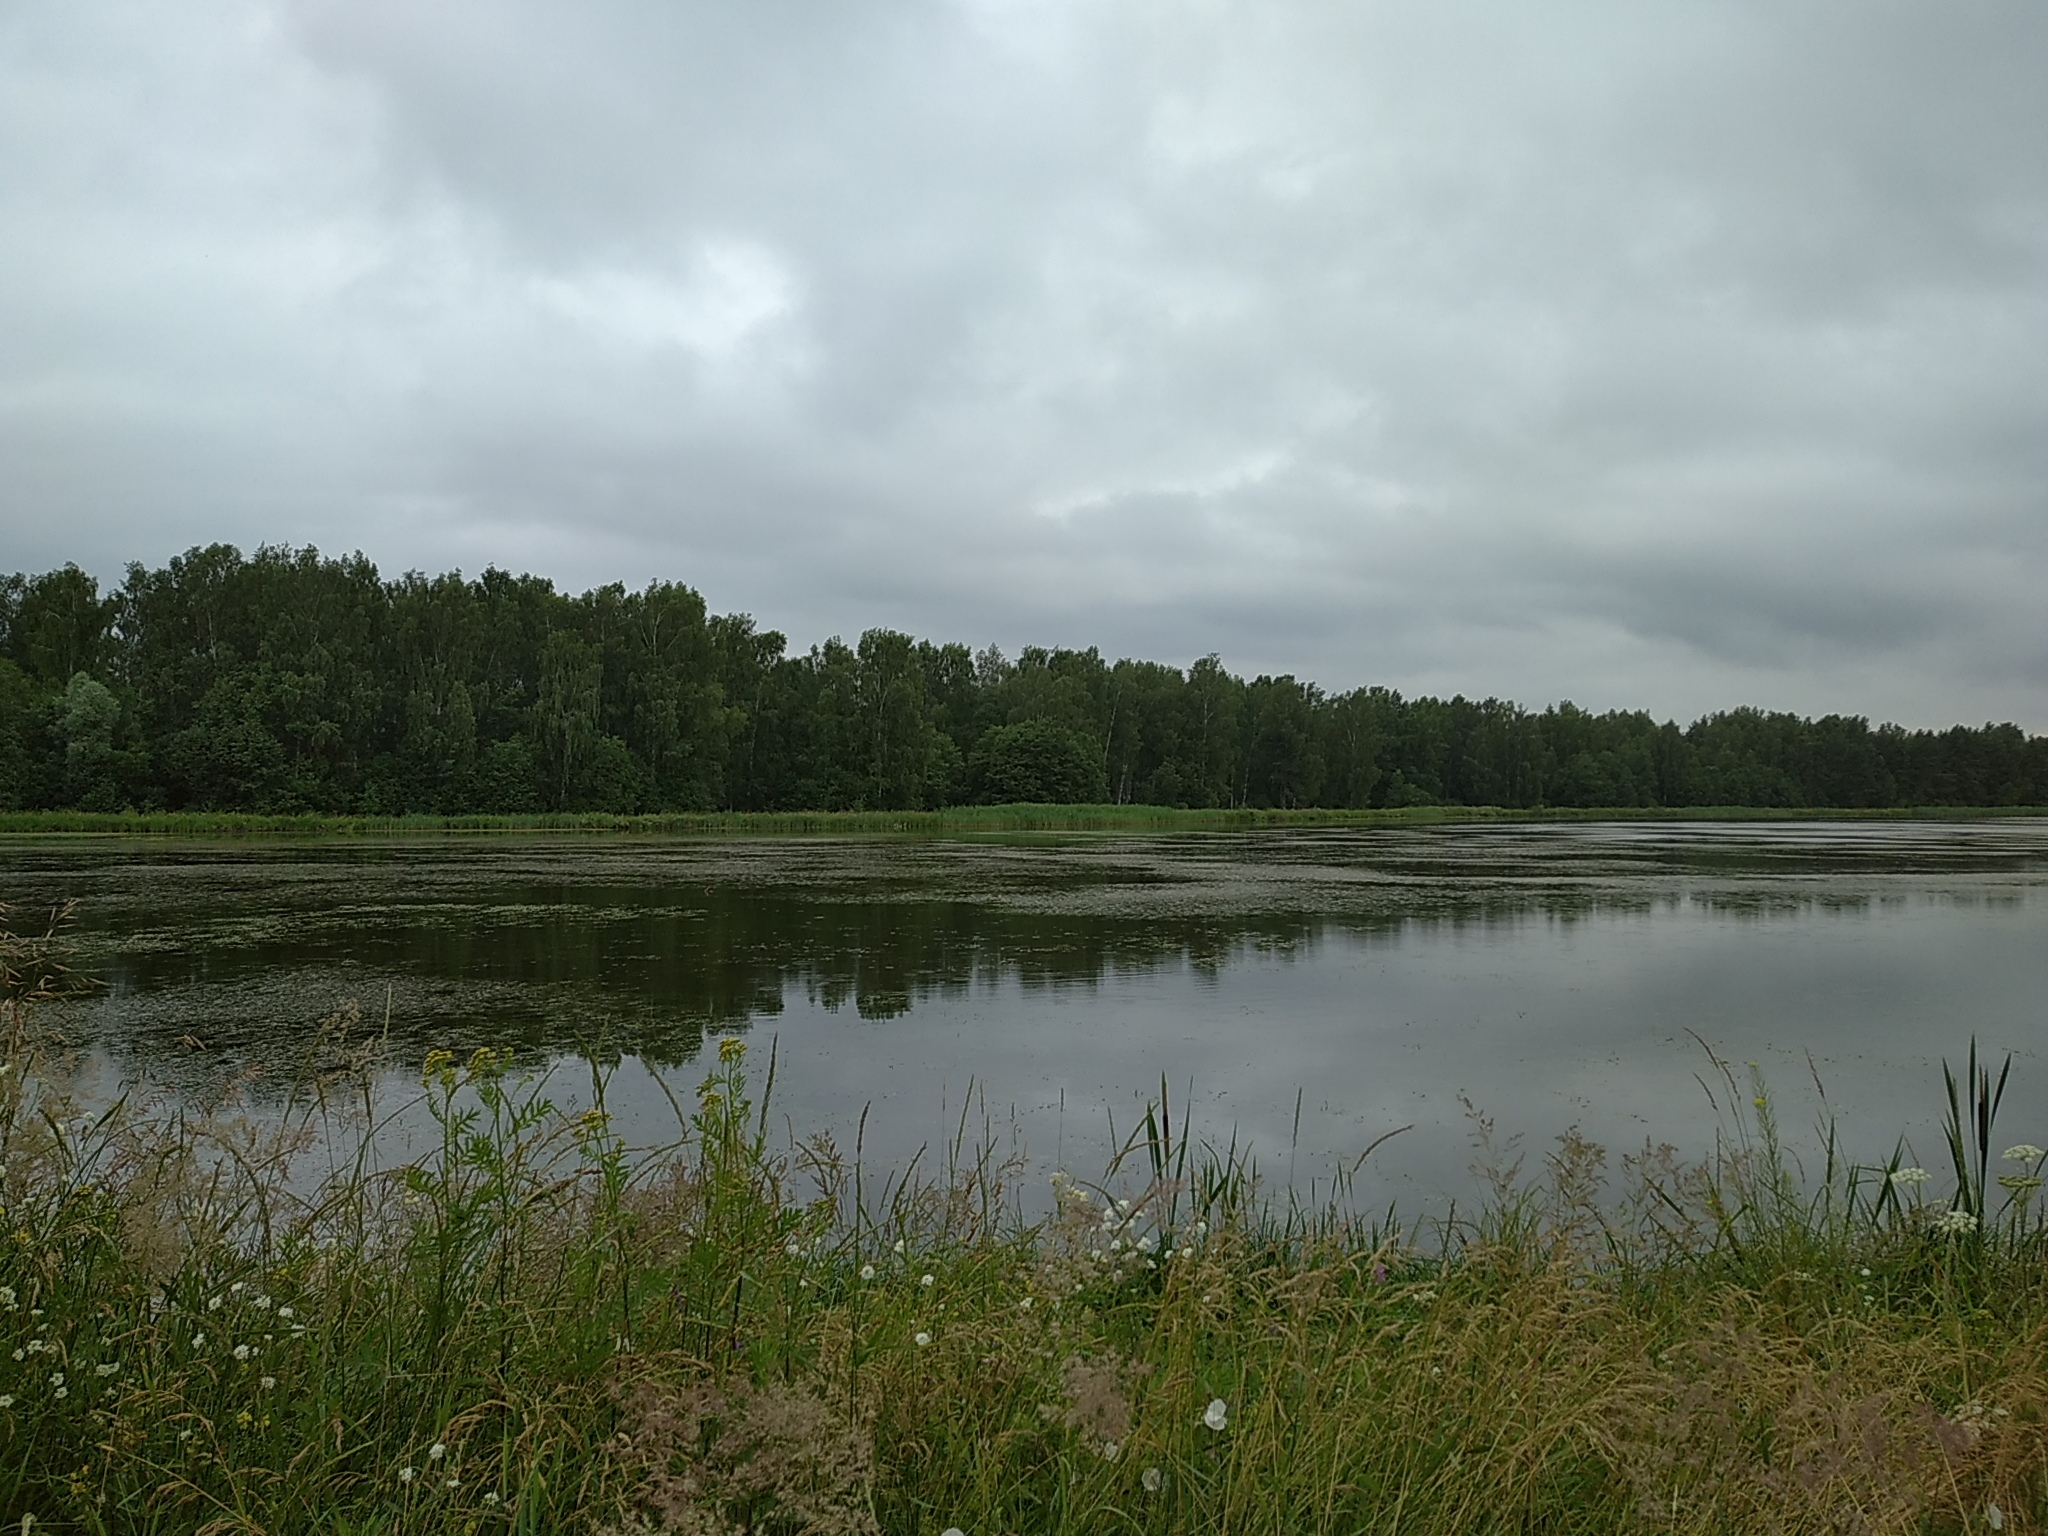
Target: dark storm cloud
[[1663, 355]]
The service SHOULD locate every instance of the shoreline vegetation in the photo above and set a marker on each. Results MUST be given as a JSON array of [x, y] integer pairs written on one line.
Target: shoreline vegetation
[[223, 1322], [957, 821]]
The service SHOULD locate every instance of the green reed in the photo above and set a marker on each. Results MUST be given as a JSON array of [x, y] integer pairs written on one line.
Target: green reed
[[955, 821], [227, 1321]]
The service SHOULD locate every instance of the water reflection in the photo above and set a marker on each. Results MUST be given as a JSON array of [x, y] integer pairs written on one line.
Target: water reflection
[[1556, 968]]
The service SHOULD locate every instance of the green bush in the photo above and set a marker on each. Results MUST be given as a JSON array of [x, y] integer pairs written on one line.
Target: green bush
[[1037, 762]]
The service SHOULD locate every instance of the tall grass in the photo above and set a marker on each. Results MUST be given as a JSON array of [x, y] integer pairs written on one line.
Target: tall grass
[[994, 820], [972, 819], [226, 1322]]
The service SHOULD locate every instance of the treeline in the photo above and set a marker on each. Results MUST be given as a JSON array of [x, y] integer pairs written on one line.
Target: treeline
[[290, 682]]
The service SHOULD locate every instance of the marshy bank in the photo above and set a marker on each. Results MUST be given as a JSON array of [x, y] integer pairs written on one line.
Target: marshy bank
[[216, 1322], [957, 821]]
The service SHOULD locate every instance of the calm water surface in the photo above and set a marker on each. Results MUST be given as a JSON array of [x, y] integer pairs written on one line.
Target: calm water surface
[[1554, 976]]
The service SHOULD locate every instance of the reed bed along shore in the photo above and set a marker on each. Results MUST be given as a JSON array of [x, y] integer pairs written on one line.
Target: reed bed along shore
[[230, 1322], [966, 820]]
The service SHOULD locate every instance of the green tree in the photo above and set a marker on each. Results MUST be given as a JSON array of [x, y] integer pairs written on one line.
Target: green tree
[[1286, 759], [56, 624], [1039, 762], [87, 717], [565, 717], [896, 734], [288, 680]]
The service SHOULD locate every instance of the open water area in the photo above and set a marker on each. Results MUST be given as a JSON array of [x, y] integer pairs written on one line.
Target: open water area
[[1303, 991]]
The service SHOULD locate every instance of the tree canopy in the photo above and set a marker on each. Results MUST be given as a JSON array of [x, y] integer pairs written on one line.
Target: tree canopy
[[286, 681]]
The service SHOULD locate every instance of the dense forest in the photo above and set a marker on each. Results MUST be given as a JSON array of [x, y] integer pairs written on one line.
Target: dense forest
[[290, 682]]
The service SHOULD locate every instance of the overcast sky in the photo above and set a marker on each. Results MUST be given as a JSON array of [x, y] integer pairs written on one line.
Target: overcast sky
[[1673, 356]]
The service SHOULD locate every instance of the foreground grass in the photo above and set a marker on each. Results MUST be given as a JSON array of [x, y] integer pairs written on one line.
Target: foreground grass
[[227, 1324], [969, 819]]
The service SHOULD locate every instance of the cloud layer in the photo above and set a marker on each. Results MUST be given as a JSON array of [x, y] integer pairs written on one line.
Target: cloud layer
[[1645, 354]]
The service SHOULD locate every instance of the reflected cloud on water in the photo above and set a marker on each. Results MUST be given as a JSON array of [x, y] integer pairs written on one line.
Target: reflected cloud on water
[[1556, 967]]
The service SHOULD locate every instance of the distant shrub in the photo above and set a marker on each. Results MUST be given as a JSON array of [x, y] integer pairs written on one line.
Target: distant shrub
[[1038, 762]]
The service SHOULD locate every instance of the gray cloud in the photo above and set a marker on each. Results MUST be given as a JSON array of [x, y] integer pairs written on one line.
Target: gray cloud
[[1652, 355]]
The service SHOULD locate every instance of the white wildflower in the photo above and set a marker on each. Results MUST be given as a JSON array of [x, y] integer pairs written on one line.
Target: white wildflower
[[454, 1482], [286, 1313], [61, 1393], [213, 1303], [6, 1399], [1152, 1479], [1109, 1450], [238, 1287], [110, 1368], [952, 1530], [56, 1378], [261, 1303], [1024, 1305], [1910, 1177], [867, 1271], [899, 1245], [1956, 1223], [436, 1451], [7, 1298], [491, 1498], [793, 1248], [1217, 1414], [921, 1338], [242, 1352], [928, 1281], [407, 1474], [199, 1341], [2025, 1152], [267, 1383]]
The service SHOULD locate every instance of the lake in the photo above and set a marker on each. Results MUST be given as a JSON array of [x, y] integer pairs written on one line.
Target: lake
[[1309, 989]]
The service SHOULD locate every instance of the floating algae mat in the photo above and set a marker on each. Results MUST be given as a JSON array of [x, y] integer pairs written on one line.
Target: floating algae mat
[[1305, 990]]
